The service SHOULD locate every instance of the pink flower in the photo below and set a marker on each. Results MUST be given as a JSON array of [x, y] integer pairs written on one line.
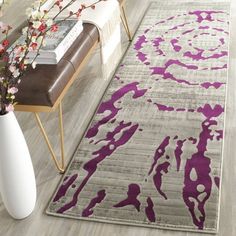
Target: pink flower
[[1, 79], [34, 46], [54, 28], [12, 90], [16, 73], [58, 3], [18, 50], [5, 43], [42, 27], [9, 108], [12, 68]]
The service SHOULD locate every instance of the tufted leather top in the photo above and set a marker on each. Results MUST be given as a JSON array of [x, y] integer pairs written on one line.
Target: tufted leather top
[[43, 85]]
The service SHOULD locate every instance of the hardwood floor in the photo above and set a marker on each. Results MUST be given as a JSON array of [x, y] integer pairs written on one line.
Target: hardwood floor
[[79, 105]]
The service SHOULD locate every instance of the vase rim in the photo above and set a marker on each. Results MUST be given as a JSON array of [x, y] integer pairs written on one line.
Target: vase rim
[[6, 114]]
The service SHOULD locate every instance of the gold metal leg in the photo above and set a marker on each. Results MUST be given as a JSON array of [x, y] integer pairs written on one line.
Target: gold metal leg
[[125, 23], [60, 166]]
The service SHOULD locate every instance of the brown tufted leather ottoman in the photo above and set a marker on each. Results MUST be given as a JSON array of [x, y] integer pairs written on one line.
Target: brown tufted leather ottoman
[[43, 88]]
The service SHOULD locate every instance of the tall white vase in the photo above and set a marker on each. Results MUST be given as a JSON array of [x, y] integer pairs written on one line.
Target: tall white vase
[[17, 179]]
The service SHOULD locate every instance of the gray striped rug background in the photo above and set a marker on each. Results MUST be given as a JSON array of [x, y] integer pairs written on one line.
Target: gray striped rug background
[[152, 154]]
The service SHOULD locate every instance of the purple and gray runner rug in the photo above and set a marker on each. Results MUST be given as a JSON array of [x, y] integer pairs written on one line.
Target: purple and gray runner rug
[[152, 154]]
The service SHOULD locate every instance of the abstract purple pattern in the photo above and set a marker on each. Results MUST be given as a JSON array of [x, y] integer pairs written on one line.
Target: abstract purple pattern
[[191, 38], [152, 153]]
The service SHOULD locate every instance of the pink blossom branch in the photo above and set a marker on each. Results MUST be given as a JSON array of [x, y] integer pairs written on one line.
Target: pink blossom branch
[[9, 84]]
